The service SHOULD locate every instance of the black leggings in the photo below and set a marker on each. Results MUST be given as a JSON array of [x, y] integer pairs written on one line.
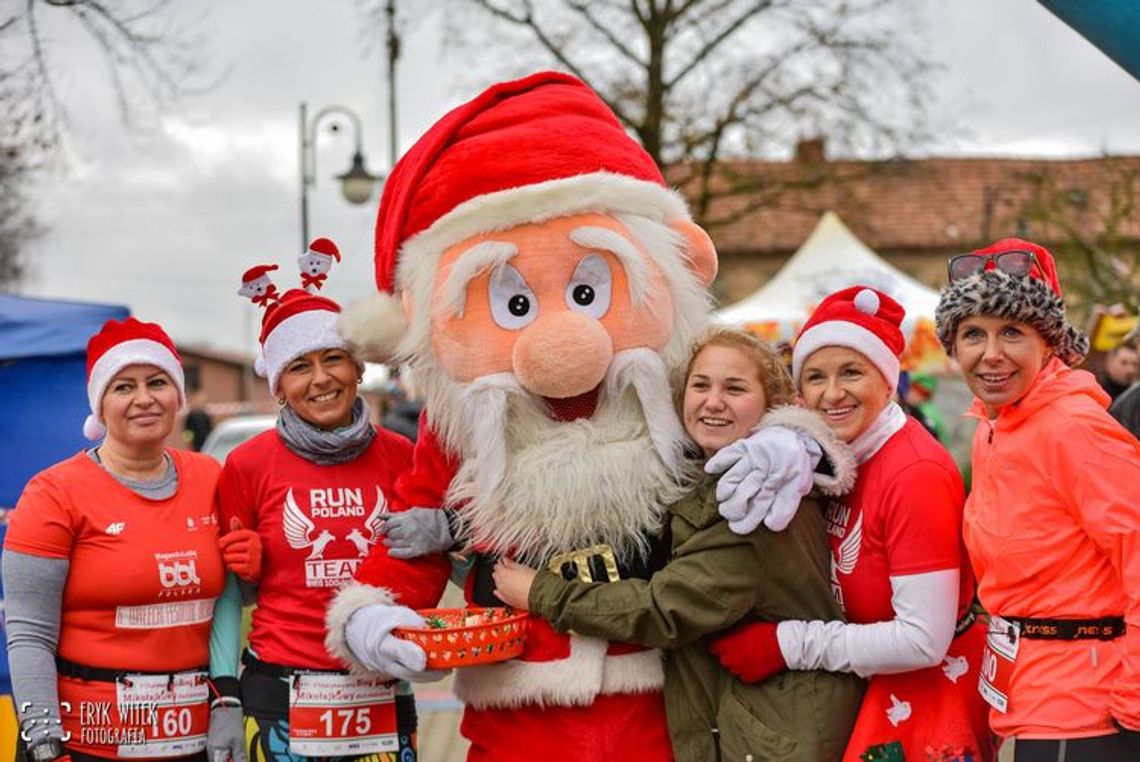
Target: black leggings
[[1118, 747]]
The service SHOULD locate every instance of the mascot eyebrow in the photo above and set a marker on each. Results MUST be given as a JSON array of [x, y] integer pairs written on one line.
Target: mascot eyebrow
[[488, 255], [471, 264], [595, 237]]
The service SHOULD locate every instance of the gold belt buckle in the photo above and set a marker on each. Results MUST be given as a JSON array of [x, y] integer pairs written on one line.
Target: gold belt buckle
[[579, 562]]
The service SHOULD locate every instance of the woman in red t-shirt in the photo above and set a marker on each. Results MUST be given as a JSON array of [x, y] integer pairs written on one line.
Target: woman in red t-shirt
[[111, 569], [898, 568], [316, 490]]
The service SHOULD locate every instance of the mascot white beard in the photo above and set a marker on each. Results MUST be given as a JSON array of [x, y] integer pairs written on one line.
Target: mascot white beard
[[531, 486]]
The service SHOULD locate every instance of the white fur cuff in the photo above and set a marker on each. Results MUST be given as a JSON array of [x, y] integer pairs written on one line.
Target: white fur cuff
[[347, 601], [844, 468]]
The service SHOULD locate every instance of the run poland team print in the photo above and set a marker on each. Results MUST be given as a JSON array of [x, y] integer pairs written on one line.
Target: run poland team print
[[337, 529]]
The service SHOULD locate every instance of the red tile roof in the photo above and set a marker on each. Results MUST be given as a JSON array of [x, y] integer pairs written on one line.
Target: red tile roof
[[915, 205]]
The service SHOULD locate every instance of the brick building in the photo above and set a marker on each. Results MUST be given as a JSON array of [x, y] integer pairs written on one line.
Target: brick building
[[916, 213]]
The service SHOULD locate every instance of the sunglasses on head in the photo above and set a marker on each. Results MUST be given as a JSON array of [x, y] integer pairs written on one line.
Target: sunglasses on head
[[1016, 263]]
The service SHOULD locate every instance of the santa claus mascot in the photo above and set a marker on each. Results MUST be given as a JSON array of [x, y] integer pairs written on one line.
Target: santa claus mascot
[[546, 287]]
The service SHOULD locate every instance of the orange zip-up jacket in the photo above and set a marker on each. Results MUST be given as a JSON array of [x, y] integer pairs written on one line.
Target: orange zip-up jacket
[[1052, 525]]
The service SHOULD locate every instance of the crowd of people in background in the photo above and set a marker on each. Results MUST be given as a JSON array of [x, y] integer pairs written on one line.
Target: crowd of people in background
[[1010, 612]]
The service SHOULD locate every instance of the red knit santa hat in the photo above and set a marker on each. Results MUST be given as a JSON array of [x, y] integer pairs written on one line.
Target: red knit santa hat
[[858, 318], [118, 344], [525, 151]]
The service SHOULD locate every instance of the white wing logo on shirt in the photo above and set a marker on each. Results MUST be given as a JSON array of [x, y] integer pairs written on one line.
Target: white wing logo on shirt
[[372, 525], [848, 555], [299, 528]]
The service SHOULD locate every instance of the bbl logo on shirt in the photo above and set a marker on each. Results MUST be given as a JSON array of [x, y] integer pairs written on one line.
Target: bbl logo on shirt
[[301, 531], [178, 573]]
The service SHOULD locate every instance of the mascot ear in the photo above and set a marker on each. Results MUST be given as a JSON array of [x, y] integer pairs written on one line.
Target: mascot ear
[[699, 250]]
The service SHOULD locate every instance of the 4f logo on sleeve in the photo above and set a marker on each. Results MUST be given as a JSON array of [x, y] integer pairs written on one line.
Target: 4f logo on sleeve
[[302, 533]]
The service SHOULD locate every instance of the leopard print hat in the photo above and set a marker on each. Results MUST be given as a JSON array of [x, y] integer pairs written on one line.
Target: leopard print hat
[[1033, 300]]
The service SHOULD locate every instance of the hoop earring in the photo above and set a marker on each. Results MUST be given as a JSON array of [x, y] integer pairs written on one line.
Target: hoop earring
[[281, 401], [360, 380]]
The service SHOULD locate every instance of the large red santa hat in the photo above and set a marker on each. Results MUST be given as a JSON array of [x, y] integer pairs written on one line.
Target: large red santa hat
[[858, 318], [525, 151], [118, 344]]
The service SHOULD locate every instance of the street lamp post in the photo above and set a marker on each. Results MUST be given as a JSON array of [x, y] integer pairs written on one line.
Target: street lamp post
[[355, 184]]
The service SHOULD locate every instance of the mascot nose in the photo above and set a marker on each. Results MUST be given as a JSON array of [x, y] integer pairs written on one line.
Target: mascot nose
[[562, 355]]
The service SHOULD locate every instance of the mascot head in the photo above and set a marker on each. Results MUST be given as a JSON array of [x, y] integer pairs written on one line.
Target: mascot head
[[545, 286]]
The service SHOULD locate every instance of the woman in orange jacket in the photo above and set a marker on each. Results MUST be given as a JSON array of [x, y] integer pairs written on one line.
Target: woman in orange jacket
[[1052, 524]]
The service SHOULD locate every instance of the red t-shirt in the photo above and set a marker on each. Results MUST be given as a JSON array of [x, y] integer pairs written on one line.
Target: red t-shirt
[[904, 516], [317, 523], [143, 574]]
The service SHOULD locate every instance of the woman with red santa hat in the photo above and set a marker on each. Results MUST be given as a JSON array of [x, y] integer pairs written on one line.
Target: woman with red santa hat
[[316, 490], [898, 566], [1053, 519], [111, 571]]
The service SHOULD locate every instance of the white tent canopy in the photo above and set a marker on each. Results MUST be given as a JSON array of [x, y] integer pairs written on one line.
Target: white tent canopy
[[830, 259]]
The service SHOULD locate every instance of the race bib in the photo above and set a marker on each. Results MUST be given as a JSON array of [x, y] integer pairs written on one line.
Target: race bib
[[998, 659], [341, 715], [160, 715]]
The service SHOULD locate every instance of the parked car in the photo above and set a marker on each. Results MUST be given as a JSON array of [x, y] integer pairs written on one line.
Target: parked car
[[231, 432]]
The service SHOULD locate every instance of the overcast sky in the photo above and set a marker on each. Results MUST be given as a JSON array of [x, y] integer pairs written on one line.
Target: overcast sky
[[166, 223]]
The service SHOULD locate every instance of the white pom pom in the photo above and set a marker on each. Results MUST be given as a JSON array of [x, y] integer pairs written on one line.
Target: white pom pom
[[373, 327], [259, 365], [92, 429], [867, 302]]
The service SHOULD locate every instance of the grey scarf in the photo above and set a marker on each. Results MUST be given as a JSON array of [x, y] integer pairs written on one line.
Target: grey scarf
[[322, 446]]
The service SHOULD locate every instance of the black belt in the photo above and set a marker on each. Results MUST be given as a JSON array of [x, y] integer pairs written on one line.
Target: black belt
[[594, 564], [964, 622], [280, 672], [71, 669], [1105, 628]]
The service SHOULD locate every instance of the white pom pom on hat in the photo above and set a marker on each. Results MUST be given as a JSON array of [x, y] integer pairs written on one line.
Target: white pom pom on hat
[[867, 302], [93, 429]]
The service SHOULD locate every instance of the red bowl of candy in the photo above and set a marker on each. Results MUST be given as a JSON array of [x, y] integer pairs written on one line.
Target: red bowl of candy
[[468, 636]]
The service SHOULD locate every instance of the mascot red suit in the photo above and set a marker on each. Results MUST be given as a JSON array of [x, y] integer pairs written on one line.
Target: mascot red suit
[[545, 286]]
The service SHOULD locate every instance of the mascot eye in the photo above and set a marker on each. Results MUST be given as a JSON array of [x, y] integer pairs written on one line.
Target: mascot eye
[[589, 289], [513, 305]]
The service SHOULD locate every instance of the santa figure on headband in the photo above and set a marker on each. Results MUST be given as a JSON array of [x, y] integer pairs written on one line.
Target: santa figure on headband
[[545, 287]]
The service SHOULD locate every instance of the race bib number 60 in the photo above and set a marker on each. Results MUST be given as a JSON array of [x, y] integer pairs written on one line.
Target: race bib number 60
[[169, 713], [341, 715], [1002, 641]]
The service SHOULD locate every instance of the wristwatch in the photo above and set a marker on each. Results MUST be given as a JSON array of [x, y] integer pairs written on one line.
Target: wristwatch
[[45, 750]]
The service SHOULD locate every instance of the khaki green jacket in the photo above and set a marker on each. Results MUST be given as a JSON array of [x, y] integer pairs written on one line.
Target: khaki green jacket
[[713, 580]]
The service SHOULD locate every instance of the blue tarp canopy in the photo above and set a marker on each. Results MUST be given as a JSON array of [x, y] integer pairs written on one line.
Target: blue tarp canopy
[[1111, 25], [43, 345], [43, 377]]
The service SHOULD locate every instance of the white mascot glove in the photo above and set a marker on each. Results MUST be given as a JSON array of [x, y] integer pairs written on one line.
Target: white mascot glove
[[369, 637], [765, 477]]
